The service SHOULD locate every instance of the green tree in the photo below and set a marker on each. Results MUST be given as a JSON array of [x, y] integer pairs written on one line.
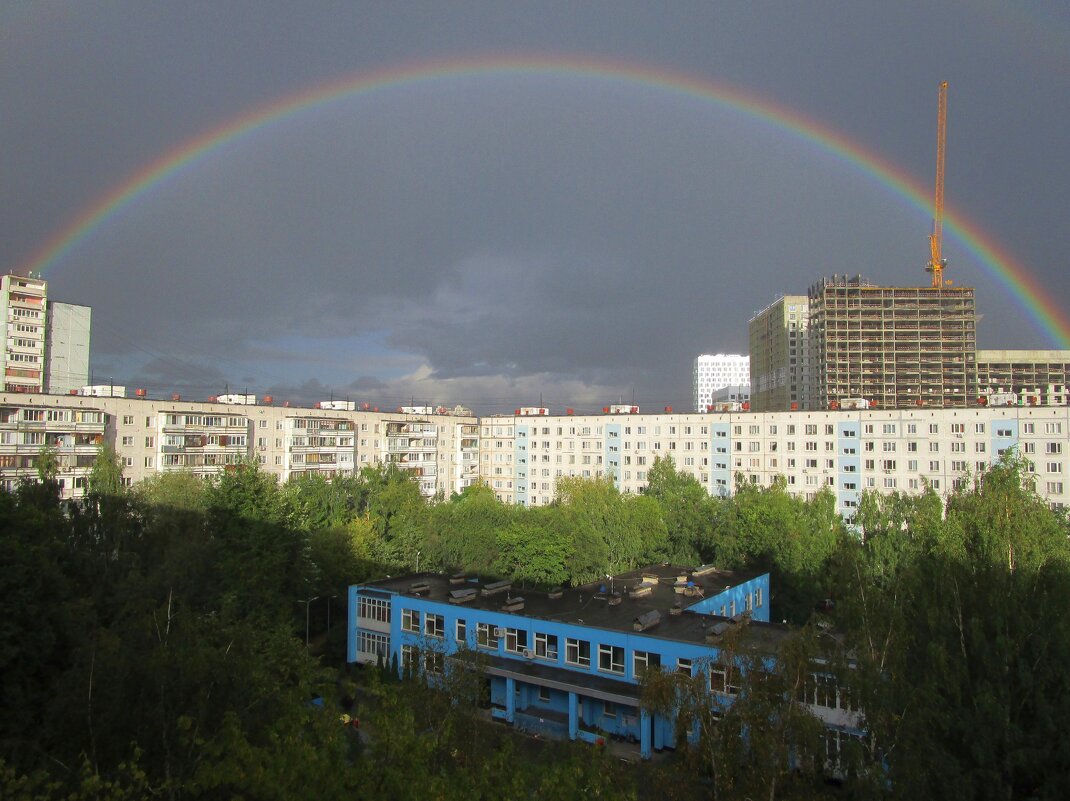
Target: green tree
[[106, 475]]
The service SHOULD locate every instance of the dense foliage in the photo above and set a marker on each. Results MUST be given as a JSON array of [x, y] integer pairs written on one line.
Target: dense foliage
[[152, 641]]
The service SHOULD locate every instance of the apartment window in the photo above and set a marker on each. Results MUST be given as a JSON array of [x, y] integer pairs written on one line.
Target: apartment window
[[1055, 467], [642, 661], [149, 442], [578, 652], [545, 645], [128, 442], [410, 620], [434, 626], [610, 658], [1055, 488], [1054, 448], [128, 419], [148, 461]]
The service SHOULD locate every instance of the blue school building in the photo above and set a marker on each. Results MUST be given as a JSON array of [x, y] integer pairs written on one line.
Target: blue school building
[[567, 663]]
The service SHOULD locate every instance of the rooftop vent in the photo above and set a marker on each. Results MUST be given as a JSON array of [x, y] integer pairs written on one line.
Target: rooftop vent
[[640, 590], [456, 578], [497, 587], [615, 599], [676, 609], [704, 570], [419, 588], [555, 593], [462, 596], [647, 620], [512, 604]]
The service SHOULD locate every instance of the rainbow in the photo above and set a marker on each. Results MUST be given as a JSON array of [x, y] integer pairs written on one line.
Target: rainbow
[[1016, 279]]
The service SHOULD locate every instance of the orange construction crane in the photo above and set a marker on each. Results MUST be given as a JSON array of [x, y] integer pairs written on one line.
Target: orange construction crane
[[937, 262]]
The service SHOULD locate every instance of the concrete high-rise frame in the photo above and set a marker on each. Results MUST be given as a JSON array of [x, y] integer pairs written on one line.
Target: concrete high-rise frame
[[893, 346]]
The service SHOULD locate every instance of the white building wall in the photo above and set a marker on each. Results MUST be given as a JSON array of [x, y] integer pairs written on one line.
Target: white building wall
[[713, 372], [67, 347], [522, 458]]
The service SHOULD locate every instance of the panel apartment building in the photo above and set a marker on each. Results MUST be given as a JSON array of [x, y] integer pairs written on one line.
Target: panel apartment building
[[44, 345], [521, 457], [160, 436]]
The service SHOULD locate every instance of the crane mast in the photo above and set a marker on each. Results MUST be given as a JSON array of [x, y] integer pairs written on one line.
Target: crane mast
[[936, 260]]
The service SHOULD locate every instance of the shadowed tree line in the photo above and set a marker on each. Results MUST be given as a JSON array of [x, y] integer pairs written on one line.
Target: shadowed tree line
[[152, 639]]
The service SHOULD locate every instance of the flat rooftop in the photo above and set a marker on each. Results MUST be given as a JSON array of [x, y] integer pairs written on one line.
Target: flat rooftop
[[613, 603]]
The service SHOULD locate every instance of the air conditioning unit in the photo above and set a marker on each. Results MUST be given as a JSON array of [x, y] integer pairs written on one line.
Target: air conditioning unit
[[529, 654], [499, 632]]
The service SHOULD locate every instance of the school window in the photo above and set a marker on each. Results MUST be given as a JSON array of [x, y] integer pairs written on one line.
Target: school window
[[723, 680], [683, 665], [578, 652], [642, 661], [544, 695], [545, 645], [410, 620], [610, 659], [487, 636], [758, 598], [516, 640], [374, 609], [460, 633], [435, 626]]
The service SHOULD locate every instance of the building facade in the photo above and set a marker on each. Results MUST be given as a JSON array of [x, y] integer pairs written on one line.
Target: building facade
[[1036, 377], [567, 663], [780, 355], [893, 346], [68, 332], [714, 372], [522, 457], [24, 309]]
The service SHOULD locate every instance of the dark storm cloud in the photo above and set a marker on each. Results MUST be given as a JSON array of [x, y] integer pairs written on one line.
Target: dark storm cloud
[[499, 238]]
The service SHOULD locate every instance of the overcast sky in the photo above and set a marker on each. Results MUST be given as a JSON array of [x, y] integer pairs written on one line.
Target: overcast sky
[[498, 238]]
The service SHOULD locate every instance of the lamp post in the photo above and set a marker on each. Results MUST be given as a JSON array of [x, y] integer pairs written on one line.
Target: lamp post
[[417, 561], [307, 605]]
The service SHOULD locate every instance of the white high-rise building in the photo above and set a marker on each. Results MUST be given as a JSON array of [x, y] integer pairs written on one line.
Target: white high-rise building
[[68, 330], [23, 303], [716, 372]]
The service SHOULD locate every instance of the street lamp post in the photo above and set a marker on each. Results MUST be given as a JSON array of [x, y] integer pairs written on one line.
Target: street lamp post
[[307, 604]]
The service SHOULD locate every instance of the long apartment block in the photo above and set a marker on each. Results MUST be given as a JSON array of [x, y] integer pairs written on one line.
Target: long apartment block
[[158, 436], [847, 451], [522, 456]]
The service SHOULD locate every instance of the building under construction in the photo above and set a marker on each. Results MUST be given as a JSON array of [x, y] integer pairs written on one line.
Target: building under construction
[[893, 346]]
